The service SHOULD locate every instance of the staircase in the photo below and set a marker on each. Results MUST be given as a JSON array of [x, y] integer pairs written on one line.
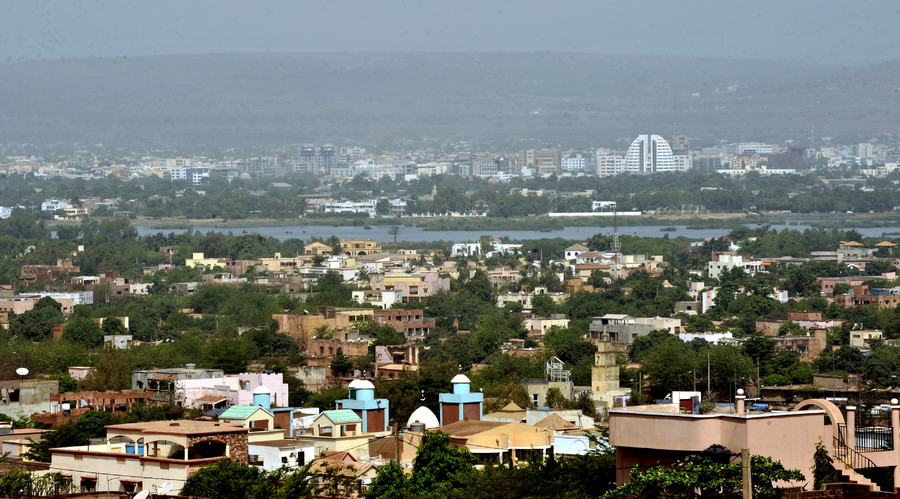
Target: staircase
[[848, 460], [852, 475]]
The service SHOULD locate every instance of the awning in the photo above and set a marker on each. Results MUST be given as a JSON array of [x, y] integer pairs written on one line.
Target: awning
[[163, 377], [213, 399], [131, 480], [89, 477]]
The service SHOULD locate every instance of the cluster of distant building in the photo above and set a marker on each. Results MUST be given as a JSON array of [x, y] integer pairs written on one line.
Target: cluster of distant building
[[646, 154]]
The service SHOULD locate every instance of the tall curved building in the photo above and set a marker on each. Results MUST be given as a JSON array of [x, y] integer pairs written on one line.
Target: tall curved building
[[650, 154]]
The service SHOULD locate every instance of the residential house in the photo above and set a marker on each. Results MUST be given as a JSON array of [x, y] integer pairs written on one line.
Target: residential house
[[572, 252], [144, 456], [500, 442], [411, 323], [359, 247], [645, 436], [229, 390], [623, 328], [339, 430], [728, 260], [161, 383], [414, 287], [200, 260], [28, 396]]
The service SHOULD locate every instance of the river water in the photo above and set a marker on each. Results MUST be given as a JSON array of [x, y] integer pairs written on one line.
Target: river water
[[415, 234]]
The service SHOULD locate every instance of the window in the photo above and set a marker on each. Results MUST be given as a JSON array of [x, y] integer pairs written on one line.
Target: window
[[163, 466], [120, 460]]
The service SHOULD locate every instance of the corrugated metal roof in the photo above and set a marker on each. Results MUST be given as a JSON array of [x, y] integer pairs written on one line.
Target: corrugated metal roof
[[342, 416], [239, 412]]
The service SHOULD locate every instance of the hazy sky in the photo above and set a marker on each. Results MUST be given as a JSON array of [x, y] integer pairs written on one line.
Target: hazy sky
[[807, 30]]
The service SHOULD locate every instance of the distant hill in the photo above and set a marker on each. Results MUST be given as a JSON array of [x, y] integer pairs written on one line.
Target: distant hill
[[216, 101]]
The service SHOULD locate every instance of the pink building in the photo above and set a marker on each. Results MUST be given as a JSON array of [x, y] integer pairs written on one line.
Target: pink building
[[658, 435], [233, 389]]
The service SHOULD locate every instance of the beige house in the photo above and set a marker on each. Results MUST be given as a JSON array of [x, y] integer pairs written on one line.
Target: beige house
[[340, 430], [499, 442], [144, 456], [655, 435]]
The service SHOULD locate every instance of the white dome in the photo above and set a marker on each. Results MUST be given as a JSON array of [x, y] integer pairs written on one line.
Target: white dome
[[361, 384], [261, 389], [460, 378], [424, 416], [649, 154]]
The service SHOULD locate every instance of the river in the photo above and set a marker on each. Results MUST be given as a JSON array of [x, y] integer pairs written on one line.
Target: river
[[415, 234]]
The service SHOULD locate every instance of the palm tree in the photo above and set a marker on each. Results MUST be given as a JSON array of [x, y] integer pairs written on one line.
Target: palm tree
[[394, 230]]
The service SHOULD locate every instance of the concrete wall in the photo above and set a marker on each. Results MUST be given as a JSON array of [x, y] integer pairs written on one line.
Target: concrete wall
[[641, 437]]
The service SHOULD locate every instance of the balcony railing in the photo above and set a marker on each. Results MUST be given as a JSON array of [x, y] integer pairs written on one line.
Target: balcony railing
[[870, 438]]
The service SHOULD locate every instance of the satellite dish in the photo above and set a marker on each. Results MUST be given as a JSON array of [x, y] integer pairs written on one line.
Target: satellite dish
[[164, 488], [142, 494], [22, 371]]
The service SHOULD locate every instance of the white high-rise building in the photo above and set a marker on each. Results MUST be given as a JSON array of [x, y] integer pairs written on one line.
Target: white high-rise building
[[610, 164], [649, 154], [865, 150]]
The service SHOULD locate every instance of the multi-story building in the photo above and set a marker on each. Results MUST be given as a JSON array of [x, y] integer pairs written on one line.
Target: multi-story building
[[411, 323], [414, 287], [484, 167], [730, 260], [195, 174], [649, 154], [316, 159], [360, 247], [574, 162], [865, 150], [367, 207], [749, 147], [543, 161], [610, 164]]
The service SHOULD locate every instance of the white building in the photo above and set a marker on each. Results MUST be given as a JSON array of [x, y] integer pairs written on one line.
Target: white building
[[352, 207], [748, 147], [574, 162], [865, 150], [609, 164], [727, 261], [5, 212], [649, 154], [603, 206], [195, 174], [77, 297], [54, 204]]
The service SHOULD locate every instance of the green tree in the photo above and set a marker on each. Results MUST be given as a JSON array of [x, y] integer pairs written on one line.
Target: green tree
[[83, 331], [224, 479], [340, 363], [37, 323], [439, 466], [698, 476], [112, 325], [394, 231], [823, 467], [389, 483]]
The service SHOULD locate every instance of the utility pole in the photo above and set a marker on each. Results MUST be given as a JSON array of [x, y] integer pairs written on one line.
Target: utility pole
[[397, 441], [708, 379], [745, 474]]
